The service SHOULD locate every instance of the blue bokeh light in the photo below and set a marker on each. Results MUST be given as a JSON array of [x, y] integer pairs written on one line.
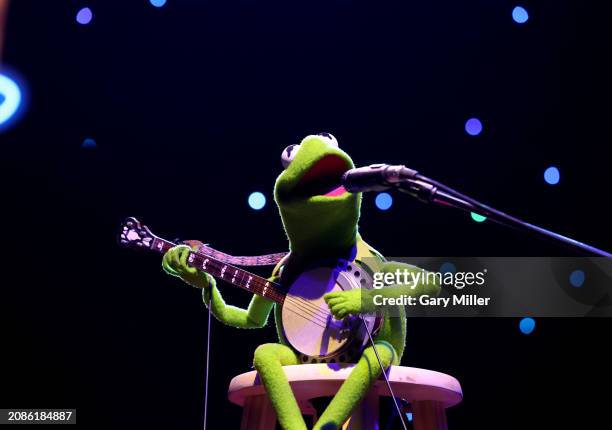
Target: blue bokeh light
[[384, 201], [257, 200], [157, 3], [552, 175], [84, 16], [520, 15], [10, 99], [527, 325], [89, 143], [473, 126], [448, 267], [577, 278], [409, 416]]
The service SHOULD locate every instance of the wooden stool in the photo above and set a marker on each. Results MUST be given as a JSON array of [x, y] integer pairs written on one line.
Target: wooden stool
[[428, 392]]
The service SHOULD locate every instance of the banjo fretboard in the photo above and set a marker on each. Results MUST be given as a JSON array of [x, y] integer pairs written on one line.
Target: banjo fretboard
[[135, 235]]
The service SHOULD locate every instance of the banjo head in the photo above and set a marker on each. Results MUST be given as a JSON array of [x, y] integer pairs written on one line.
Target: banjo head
[[308, 323]]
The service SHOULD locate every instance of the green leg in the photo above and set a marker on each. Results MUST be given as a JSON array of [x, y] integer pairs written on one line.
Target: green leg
[[268, 360], [364, 374]]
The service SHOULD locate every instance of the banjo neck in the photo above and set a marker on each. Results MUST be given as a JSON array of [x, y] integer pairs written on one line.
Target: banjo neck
[[135, 235], [308, 325]]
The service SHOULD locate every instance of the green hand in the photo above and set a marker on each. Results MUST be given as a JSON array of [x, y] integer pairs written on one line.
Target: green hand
[[175, 263], [350, 302]]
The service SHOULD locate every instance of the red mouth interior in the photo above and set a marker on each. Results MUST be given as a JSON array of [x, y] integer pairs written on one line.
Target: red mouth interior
[[324, 178]]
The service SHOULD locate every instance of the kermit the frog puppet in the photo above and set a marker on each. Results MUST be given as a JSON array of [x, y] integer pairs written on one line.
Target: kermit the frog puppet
[[320, 219]]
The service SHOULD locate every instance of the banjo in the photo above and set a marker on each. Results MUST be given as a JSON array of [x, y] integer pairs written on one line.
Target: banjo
[[308, 324]]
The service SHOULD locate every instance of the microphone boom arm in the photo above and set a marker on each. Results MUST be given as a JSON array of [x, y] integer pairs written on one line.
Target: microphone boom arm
[[379, 177], [429, 191]]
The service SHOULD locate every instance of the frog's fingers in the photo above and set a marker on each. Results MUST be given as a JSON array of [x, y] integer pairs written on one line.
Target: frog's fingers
[[184, 255], [167, 265], [341, 313], [335, 301], [332, 295], [173, 258]]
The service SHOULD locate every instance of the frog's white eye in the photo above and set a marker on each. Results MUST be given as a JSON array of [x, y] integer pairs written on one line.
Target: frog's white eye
[[288, 155], [329, 138]]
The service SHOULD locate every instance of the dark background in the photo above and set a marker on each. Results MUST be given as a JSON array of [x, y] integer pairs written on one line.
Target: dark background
[[191, 105]]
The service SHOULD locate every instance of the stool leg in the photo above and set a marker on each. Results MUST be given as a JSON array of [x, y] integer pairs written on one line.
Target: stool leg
[[365, 415], [429, 415], [258, 414]]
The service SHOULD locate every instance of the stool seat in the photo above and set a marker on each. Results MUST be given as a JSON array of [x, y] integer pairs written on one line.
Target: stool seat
[[429, 391]]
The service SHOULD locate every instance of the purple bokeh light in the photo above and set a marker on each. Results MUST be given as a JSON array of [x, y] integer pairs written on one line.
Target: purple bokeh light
[[473, 126], [84, 16]]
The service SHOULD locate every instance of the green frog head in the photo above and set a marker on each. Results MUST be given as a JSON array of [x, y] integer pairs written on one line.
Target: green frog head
[[320, 217]]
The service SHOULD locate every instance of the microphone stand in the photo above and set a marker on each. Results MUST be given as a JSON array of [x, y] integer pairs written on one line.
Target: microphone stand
[[430, 191]]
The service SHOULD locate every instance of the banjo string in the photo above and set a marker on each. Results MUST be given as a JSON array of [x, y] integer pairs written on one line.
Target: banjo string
[[303, 305], [207, 366], [314, 313], [313, 310], [203, 251]]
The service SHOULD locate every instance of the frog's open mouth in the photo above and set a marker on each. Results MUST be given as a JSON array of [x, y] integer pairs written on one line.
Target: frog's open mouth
[[323, 178]]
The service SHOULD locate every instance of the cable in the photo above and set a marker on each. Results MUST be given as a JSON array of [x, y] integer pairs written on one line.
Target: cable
[[397, 407], [207, 366]]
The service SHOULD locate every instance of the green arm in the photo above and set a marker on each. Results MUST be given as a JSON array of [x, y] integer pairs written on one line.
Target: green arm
[[255, 316]]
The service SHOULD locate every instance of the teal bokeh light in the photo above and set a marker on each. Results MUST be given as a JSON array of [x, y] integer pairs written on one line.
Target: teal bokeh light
[[257, 200], [478, 218]]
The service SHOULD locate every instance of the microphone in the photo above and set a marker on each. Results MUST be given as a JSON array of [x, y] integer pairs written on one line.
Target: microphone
[[376, 177]]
